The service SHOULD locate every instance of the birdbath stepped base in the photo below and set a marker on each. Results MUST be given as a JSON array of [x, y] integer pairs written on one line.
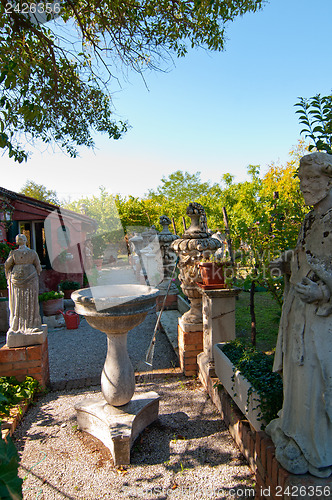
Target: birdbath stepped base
[[117, 417], [118, 427]]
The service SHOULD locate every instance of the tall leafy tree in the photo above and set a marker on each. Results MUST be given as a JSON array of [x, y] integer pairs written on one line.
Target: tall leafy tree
[[101, 208], [40, 192], [54, 85], [181, 186]]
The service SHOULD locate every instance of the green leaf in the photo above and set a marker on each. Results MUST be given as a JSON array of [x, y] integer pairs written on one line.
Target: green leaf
[[10, 483], [305, 130]]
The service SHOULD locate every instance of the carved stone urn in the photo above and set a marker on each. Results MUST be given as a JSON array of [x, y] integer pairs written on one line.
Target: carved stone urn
[[166, 238], [195, 244]]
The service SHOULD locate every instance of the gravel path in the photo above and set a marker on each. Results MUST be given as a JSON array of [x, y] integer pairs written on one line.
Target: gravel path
[[81, 353], [186, 453]]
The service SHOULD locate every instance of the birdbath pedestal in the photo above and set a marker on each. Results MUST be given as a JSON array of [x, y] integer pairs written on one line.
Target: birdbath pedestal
[[118, 416]]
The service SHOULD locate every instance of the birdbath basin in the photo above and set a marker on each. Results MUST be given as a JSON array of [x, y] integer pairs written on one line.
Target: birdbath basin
[[114, 310], [117, 417]]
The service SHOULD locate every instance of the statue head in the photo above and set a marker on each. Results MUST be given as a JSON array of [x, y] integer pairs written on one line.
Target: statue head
[[21, 239], [315, 175]]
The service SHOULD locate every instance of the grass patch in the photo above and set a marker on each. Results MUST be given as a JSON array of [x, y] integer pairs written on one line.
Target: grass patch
[[267, 319]]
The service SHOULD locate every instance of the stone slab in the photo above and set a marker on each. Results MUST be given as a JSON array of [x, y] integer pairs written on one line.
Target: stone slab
[[222, 293], [118, 427], [169, 323], [183, 305], [26, 339]]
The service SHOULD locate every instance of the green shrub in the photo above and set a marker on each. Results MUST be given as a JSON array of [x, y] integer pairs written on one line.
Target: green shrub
[[43, 297], [13, 392], [3, 281], [10, 483], [69, 285]]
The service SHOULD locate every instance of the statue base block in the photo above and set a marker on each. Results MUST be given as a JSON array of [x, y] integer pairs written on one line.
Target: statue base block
[[118, 426], [25, 339]]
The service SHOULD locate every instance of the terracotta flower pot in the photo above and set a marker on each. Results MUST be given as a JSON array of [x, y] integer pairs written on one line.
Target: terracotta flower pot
[[67, 293], [212, 274], [51, 307]]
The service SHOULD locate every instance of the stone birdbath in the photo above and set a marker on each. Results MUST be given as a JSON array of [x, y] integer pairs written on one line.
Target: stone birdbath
[[118, 416]]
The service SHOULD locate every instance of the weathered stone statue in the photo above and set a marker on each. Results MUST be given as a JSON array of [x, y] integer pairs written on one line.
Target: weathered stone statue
[[303, 432], [22, 269], [168, 255]]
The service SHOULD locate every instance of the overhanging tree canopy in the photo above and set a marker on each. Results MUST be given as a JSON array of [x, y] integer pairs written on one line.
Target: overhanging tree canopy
[[54, 90]]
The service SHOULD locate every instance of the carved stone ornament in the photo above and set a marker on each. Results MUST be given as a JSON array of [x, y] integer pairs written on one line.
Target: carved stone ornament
[[168, 255], [136, 243], [195, 244]]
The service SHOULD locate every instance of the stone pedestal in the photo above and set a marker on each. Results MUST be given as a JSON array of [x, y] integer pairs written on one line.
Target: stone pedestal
[[218, 324], [118, 427], [190, 342], [22, 361]]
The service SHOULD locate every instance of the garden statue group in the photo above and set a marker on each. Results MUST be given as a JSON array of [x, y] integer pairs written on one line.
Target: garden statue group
[[302, 433]]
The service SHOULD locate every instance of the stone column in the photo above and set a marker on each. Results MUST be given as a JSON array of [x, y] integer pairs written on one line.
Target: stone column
[[168, 255], [191, 248], [218, 325]]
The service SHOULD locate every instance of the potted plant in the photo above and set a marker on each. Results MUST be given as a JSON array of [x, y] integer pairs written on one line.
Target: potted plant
[[52, 302], [212, 270], [246, 374], [68, 287]]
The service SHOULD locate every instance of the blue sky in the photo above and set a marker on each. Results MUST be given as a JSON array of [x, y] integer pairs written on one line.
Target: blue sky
[[211, 112]]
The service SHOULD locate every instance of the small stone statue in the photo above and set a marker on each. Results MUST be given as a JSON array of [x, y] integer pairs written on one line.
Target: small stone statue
[[303, 432], [22, 269]]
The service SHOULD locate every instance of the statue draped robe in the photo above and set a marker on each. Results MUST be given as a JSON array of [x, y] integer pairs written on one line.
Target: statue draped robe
[[304, 350], [22, 269]]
